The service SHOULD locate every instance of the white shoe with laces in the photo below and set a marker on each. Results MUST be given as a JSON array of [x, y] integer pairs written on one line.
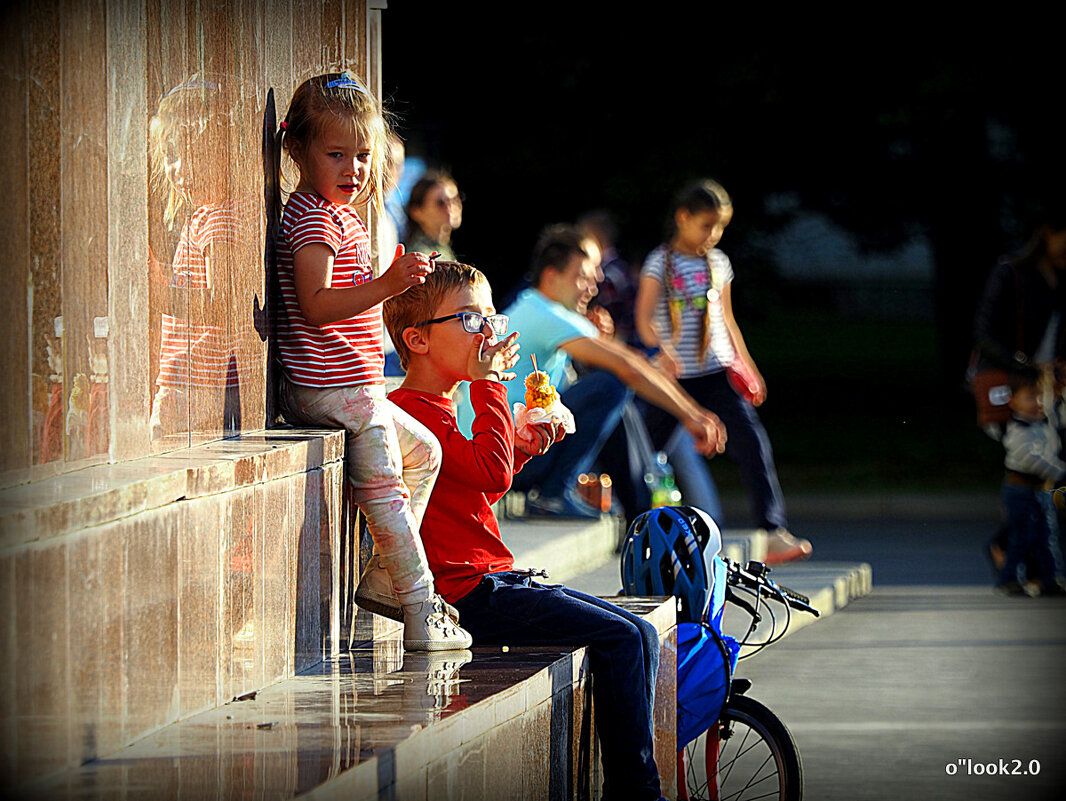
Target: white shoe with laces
[[428, 627]]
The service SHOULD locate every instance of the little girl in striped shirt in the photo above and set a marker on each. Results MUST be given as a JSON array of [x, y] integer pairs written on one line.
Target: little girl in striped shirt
[[331, 348], [684, 315]]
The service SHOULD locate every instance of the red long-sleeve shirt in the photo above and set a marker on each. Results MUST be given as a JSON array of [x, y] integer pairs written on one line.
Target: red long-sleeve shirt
[[460, 533]]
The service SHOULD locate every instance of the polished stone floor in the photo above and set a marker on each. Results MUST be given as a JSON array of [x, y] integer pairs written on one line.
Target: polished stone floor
[[295, 735]]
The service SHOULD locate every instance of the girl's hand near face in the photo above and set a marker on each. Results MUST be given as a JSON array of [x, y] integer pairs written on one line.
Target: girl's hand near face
[[493, 361], [407, 270]]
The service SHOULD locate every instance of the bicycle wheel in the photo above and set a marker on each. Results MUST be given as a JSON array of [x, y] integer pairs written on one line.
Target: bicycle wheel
[[748, 754]]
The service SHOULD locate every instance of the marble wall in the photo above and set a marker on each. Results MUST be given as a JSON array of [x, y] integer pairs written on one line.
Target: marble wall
[[136, 233], [138, 163]]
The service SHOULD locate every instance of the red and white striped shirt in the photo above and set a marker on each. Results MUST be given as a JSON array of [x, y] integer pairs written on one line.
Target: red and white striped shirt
[[196, 353], [336, 354]]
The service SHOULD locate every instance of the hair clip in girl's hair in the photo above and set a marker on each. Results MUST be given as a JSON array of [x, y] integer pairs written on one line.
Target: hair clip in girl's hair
[[344, 82], [284, 125], [434, 255]]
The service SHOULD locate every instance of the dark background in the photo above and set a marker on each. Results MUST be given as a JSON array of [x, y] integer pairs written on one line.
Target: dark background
[[894, 128]]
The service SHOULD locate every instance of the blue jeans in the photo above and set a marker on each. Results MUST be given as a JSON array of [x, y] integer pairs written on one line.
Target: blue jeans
[[747, 443], [1033, 536], [692, 475], [596, 401], [623, 651]]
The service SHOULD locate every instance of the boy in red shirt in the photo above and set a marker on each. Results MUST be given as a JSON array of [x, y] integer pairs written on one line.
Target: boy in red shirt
[[447, 331]]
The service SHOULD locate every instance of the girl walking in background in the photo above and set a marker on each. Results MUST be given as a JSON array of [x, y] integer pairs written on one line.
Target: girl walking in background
[[684, 313], [330, 341]]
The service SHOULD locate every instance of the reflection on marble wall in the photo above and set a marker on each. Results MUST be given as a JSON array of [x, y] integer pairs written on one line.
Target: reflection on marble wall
[[135, 240], [201, 141]]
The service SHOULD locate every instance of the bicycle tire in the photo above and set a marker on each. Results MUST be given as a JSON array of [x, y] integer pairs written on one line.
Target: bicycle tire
[[759, 752]]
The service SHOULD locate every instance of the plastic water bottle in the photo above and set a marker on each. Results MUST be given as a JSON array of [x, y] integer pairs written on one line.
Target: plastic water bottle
[[660, 483]]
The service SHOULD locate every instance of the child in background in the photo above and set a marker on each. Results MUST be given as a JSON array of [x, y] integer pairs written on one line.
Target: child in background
[[684, 313], [330, 341], [1033, 462], [446, 332]]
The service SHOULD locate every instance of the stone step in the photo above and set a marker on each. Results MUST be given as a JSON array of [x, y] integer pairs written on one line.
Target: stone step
[[563, 547], [586, 564], [380, 723], [145, 592]]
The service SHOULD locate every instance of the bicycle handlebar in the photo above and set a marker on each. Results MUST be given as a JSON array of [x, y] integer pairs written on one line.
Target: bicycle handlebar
[[754, 576]]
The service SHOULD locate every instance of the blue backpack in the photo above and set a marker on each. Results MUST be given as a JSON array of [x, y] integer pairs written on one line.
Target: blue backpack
[[706, 659], [674, 550]]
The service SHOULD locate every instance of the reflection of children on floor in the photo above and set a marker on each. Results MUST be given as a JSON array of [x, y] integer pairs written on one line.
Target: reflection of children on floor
[[330, 342], [1033, 462]]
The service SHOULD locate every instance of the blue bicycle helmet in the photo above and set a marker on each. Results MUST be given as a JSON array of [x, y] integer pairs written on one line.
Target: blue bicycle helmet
[[663, 554]]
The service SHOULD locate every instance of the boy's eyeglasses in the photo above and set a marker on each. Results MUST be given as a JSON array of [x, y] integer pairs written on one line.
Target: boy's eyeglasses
[[473, 322]]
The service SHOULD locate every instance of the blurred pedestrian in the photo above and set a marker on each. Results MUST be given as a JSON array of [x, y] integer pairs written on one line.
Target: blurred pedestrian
[[1019, 324], [627, 454], [550, 317], [434, 211], [1033, 464], [388, 232], [617, 291], [1019, 321], [684, 314], [388, 229]]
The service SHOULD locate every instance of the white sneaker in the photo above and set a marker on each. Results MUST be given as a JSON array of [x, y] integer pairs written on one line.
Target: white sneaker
[[428, 627], [782, 547], [376, 594]]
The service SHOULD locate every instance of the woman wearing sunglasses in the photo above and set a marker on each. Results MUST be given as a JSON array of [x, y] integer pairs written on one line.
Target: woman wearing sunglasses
[[434, 210]]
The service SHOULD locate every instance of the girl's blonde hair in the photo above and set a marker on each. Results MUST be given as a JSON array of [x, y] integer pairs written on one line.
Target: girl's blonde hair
[[194, 123], [340, 96]]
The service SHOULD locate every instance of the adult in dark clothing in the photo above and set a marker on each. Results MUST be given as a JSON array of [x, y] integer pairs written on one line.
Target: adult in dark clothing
[[1020, 320]]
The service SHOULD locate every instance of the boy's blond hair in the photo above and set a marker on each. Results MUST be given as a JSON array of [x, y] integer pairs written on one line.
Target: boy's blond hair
[[420, 302]]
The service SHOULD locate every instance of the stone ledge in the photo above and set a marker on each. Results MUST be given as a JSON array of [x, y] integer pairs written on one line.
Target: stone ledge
[[114, 631], [562, 546], [376, 722], [105, 493]]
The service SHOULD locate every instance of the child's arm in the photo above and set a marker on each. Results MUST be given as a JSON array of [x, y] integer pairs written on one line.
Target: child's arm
[[321, 303], [1034, 450], [738, 343], [649, 292], [631, 368], [486, 461]]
